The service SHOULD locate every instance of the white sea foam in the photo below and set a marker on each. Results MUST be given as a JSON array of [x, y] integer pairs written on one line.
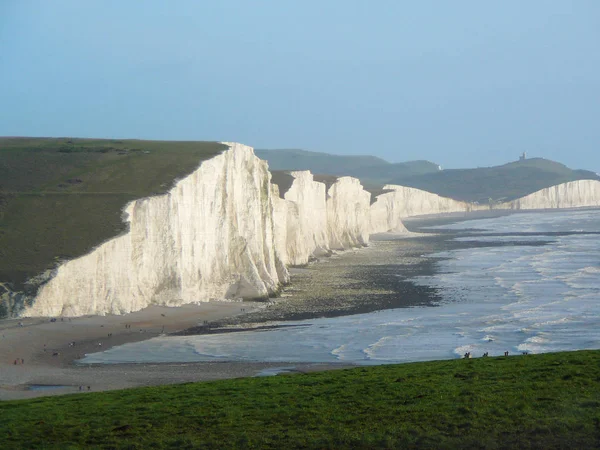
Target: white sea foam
[[469, 348], [339, 351]]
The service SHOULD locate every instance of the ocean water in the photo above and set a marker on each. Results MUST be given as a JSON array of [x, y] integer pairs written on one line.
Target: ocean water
[[514, 297]]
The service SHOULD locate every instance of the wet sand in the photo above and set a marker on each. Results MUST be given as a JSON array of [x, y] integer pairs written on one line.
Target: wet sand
[[49, 350]]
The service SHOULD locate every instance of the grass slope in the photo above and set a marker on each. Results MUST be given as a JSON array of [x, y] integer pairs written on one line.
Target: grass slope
[[535, 401], [316, 162], [370, 169], [61, 197]]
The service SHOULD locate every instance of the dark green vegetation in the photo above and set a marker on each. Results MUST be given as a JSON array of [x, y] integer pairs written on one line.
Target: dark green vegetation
[[59, 198], [500, 183], [370, 169], [535, 401]]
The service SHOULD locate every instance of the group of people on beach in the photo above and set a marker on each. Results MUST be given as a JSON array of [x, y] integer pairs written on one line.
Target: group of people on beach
[[62, 319], [19, 361]]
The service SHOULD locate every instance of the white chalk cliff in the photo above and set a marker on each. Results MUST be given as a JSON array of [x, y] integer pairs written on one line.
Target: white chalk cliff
[[348, 212], [574, 194], [389, 208], [226, 232], [210, 237], [306, 233]]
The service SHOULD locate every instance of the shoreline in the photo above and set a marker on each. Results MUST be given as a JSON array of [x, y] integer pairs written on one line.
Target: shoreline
[[357, 281], [351, 282], [49, 348], [50, 365], [368, 279]]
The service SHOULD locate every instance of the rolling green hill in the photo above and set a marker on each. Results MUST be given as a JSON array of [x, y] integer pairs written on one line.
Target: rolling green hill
[[500, 183], [370, 169], [316, 162], [61, 197], [506, 182]]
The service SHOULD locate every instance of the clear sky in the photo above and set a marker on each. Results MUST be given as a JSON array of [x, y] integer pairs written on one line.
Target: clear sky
[[460, 83]]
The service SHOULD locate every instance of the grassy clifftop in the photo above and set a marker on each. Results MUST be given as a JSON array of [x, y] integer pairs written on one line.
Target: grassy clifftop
[[60, 197], [535, 401]]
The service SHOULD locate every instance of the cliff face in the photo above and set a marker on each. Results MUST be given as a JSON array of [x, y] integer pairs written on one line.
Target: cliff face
[[226, 232], [222, 232], [386, 214], [306, 229], [389, 208], [312, 220], [575, 194], [211, 236], [348, 210]]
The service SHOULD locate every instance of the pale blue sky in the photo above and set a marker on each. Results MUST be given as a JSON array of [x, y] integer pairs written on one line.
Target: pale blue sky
[[461, 83]]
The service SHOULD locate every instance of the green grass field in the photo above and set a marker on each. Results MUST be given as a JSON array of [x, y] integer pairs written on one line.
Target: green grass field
[[535, 401], [61, 197]]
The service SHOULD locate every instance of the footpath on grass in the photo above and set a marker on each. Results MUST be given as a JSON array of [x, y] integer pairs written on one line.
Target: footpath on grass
[[525, 401]]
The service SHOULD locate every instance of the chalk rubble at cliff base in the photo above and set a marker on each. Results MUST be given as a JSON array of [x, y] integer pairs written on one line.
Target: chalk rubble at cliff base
[[227, 232]]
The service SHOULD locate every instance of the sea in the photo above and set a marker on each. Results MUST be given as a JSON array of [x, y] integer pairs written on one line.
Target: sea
[[523, 282]]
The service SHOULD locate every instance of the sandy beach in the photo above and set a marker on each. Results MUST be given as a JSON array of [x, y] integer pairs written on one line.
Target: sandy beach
[[48, 350]]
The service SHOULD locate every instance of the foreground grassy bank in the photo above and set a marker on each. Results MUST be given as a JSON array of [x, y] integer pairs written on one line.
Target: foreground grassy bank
[[533, 401]]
